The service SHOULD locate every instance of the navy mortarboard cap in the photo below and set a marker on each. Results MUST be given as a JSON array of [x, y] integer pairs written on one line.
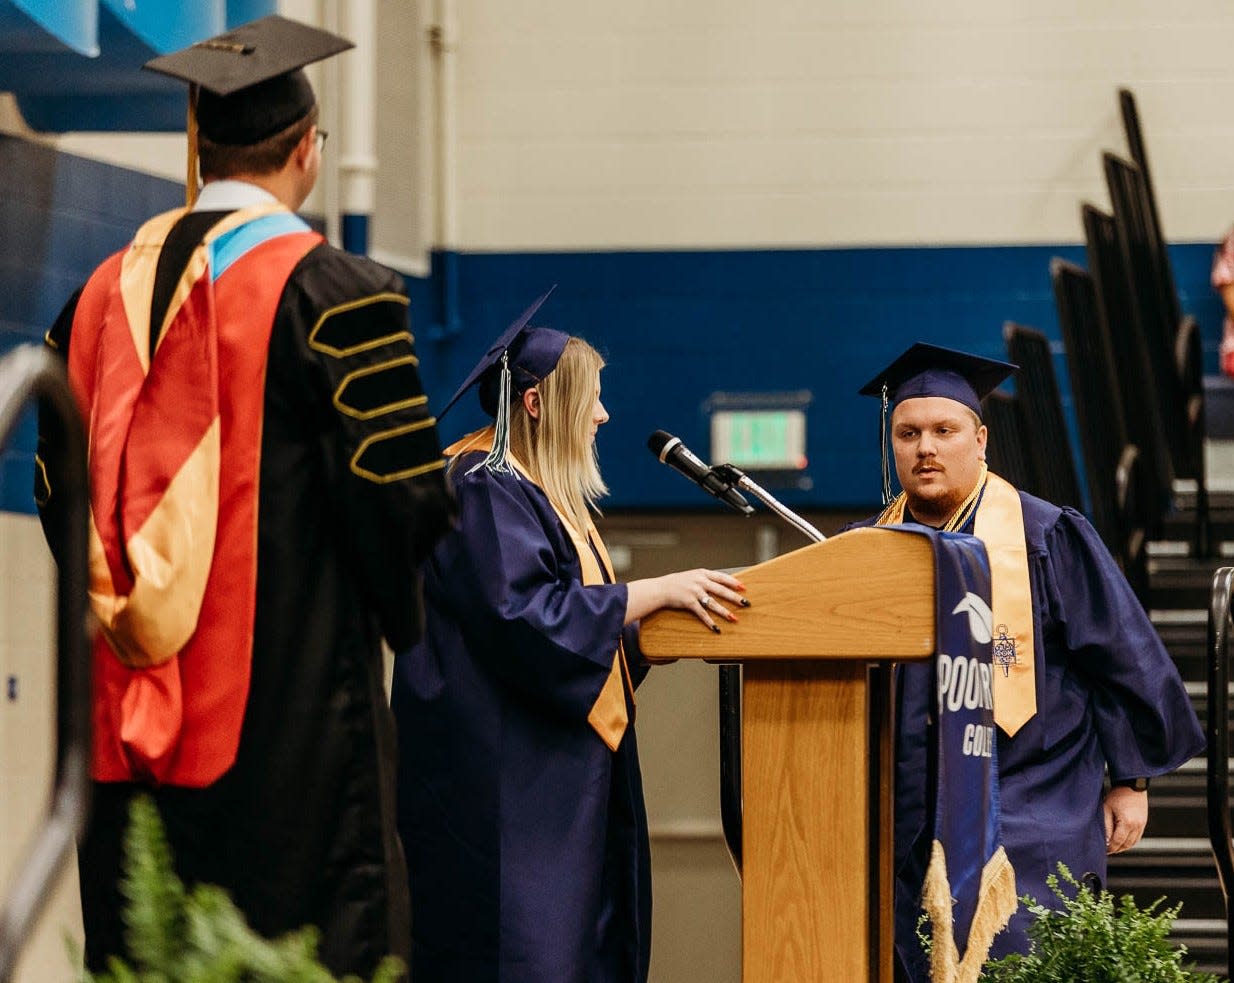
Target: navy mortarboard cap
[[928, 370], [250, 79], [530, 354], [516, 361]]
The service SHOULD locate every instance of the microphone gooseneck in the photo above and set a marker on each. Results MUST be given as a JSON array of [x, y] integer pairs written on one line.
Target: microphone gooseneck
[[671, 451]]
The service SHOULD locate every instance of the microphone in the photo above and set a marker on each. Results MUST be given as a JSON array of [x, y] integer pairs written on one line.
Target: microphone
[[671, 451]]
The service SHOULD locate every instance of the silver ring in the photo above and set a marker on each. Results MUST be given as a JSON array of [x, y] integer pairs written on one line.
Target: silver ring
[[705, 600]]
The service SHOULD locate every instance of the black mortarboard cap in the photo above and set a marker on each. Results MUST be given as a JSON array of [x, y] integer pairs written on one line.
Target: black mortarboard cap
[[928, 370], [530, 353], [250, 79]]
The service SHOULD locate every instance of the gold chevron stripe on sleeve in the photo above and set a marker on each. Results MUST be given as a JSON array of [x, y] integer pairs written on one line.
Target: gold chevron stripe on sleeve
[[336, 351], [341, 404]]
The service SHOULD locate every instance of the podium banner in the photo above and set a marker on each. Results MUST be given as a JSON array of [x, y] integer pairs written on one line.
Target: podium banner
[[947, 766]]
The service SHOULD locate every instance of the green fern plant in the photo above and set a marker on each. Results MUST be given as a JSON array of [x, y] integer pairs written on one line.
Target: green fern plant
[[176, 935], [1096, 939]]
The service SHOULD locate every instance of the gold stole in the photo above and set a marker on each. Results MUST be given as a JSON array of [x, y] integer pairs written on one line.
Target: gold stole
[[608, 717], [999, 524]]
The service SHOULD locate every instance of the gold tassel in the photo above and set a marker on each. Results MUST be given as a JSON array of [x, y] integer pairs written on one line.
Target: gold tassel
[[190, 175]]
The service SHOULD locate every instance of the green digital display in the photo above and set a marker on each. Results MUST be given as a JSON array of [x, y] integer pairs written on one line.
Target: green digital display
[[770, 440]]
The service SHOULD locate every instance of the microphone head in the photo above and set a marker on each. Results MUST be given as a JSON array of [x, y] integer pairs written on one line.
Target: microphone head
[[658, 441]]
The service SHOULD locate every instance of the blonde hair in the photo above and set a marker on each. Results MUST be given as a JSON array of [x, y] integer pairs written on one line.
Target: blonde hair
[[556, 449]]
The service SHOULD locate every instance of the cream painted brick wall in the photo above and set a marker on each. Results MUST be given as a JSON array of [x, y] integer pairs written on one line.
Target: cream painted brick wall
[[27, 735], [726, 123], [699, 123]]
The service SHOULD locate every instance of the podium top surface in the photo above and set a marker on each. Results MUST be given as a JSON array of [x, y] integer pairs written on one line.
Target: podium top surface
[[867, 594]]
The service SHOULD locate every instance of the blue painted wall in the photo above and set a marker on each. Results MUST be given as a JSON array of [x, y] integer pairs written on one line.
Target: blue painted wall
[[678, 326], [674, 326], [59, 217]]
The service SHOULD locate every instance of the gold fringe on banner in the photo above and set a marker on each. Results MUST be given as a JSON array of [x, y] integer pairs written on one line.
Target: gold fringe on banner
[[996, 903]]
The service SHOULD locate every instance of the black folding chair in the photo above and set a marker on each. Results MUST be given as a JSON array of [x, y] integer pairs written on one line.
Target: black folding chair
[[1045, 434], [1116, 480], [1167, 288], [1129, 357], [1182, 331], [1006, 452], [1174, 350], [1149, 309]]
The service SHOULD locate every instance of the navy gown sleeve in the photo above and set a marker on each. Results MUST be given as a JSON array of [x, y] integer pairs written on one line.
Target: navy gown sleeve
[[635, 659], [1144, 719], [536, 626]]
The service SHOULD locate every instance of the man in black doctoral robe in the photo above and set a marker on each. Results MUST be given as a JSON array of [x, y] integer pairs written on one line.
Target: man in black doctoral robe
[[265, 480]]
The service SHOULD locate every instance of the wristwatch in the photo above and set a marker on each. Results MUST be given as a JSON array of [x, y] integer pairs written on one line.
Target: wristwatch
[[1139, 784]]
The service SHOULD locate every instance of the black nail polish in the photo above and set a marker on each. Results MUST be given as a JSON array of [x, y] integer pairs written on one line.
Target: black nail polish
[[716, 629], [745, 602]]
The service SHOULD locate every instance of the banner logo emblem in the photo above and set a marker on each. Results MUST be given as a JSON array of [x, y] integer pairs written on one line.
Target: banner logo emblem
[[980, 617]]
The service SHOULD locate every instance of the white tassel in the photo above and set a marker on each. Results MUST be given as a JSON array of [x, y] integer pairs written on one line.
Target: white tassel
[[498, 460], [886, 451]]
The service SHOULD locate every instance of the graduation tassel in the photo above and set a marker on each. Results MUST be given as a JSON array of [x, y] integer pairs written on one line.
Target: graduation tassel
[[190, 167], [498, 460], [886, 450]]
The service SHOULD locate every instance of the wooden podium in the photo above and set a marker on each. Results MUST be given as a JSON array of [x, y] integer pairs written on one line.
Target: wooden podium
[[817, 754]]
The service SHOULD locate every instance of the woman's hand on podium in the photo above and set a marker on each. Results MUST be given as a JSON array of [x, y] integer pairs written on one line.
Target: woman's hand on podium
[[704, 593]]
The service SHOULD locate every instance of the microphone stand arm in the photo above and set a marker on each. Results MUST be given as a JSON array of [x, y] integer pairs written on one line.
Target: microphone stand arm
[[738, 478]]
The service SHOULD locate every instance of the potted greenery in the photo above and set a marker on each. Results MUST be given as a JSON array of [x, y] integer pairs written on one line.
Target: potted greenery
[[199, 936], [1096, 939]]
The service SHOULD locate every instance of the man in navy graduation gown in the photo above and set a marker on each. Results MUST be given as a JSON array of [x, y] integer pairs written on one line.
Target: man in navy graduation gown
[[1109, 702]]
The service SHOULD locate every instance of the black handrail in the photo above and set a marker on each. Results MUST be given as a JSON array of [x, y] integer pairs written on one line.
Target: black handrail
[[28, 373], [730, 760], [1219, 833]]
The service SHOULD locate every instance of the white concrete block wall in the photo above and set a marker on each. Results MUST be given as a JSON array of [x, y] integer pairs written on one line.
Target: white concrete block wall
[[700, 123], [726, 124], [27, 735]]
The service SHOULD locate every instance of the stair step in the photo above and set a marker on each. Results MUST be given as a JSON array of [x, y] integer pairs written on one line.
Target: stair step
[[1179, 525], [1181, 582], [1174, 861], [1205, 940]]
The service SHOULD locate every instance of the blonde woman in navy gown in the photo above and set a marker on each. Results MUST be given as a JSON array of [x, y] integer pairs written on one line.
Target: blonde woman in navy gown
[[520, 797]]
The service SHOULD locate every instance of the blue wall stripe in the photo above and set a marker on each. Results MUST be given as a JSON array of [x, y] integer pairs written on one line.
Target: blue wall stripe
[[355, 233], [674, 326], [677, 326]]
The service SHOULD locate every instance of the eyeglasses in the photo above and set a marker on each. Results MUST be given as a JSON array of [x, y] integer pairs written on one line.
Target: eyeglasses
[[321, 139]]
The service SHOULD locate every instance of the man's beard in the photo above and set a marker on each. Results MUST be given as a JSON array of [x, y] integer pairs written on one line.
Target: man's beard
[[935, 510]]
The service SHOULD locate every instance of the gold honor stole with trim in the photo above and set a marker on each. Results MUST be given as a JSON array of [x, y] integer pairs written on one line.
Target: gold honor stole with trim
[[609, 716], [174, 466], [1000, 526]]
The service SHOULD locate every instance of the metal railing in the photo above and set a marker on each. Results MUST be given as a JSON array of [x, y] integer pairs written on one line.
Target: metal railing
[[30, 373], [1219, 832]]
